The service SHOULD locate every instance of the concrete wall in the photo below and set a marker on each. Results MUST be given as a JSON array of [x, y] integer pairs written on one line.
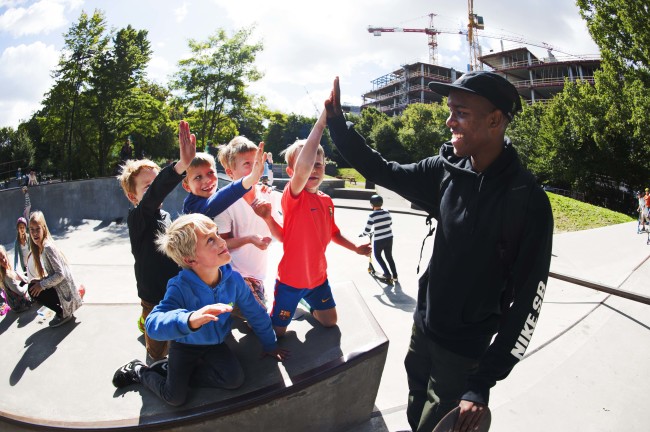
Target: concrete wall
[[102, 199], [69, 202]]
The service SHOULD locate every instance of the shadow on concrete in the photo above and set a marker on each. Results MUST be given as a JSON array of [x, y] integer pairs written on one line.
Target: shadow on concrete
[[395, 297], [326, 342], [40, 346]]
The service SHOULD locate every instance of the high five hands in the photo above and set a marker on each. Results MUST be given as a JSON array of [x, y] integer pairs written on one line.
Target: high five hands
[[333, 104]]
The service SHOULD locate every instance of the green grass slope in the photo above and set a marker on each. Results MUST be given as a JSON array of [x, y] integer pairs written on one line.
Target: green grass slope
[[574, 215]]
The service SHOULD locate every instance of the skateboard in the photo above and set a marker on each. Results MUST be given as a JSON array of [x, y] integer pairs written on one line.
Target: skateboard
[[449, 421]]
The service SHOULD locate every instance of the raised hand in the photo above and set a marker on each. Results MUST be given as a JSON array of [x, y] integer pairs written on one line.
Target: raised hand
[[333, 104], [258, 168], [187, 147]]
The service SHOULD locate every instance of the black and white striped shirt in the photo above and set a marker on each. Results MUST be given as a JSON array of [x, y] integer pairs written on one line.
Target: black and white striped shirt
[[381, 221]]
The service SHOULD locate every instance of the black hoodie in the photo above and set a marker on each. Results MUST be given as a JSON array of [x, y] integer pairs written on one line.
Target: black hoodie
[[460, 295]]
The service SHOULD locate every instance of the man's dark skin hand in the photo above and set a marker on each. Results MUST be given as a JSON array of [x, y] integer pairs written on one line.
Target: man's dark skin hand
[[333, 104]]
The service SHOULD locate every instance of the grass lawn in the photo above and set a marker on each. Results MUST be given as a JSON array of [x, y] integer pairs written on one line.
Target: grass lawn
[[574, 215], [348, 173]]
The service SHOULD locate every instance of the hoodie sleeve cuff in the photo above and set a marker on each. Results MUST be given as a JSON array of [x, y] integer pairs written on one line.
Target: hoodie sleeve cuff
[[476, 397]]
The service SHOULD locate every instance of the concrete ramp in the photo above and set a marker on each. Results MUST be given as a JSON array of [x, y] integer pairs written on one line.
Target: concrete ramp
[[60, 379]]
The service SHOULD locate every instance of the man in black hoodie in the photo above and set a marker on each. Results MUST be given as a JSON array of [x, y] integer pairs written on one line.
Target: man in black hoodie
[[492, 250]]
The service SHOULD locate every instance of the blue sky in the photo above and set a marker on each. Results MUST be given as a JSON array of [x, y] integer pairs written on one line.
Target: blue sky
[[306, 43]]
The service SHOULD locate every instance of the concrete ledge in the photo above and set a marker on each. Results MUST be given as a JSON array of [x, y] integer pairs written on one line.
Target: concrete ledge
[[61, 378], [353, 193]]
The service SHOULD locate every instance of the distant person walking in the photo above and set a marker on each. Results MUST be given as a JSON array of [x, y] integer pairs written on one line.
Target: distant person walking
[[643, 212]]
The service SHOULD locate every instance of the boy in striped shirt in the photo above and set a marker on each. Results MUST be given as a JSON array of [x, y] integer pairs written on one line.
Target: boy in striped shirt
[[381, 222]]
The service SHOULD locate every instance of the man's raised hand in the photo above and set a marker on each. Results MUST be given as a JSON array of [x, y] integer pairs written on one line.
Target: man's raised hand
[[333, 104]]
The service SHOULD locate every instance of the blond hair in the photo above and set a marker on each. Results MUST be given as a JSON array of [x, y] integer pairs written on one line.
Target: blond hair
[[5, 271], [200, 159], [237, 145], [38, 218], [179, 240], [291, 153], [130, 170]]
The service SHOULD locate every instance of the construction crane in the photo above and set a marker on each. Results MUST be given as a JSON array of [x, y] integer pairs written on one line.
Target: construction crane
[[431, 31], [475, 22]]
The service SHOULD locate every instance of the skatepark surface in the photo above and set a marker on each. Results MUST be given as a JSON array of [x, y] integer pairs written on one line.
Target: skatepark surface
[[585, 370]]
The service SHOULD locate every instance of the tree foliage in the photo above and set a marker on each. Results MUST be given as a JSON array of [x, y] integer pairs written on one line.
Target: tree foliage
[[212, 83], [99, 97], [621, 28]]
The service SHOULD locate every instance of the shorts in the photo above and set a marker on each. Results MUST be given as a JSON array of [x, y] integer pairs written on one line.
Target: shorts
[[287, 299]]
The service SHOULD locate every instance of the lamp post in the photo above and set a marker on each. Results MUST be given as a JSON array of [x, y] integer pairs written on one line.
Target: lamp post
[[79, 57]]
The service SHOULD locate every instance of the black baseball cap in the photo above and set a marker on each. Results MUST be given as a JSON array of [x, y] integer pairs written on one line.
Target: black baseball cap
[[493, 87]]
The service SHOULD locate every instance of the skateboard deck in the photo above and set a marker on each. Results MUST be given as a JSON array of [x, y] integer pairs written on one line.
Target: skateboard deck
[[449, 421]]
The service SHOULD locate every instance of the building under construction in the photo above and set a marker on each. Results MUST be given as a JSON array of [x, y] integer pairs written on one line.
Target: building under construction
[[536, 79]]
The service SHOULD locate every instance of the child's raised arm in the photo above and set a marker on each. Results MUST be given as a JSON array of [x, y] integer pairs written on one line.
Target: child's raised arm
[[305, 161], [186, 146]]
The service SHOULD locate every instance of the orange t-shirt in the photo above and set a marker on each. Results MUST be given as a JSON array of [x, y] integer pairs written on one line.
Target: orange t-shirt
[[308, 228], [647, 200]]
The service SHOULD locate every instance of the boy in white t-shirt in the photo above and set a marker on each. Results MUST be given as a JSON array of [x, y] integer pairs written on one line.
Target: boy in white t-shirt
[[248, 235]]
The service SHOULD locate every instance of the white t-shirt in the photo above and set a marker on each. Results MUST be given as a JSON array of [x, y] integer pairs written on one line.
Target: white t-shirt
[[240, 220]]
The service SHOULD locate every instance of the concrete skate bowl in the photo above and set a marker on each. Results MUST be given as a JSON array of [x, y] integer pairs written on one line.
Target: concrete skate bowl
[[61, 378], [330, 382]]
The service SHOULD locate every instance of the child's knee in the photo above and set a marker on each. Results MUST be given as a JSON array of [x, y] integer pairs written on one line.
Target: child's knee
[[234, 382], [327, 318]]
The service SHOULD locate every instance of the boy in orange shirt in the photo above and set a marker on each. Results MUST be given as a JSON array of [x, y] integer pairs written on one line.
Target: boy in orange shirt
[[308, 228]]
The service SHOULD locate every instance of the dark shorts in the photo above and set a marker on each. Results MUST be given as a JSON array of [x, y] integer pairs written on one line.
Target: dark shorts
[[287, 299]]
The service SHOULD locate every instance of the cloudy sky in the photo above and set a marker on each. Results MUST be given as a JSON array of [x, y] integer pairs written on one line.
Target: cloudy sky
[[306, 43]]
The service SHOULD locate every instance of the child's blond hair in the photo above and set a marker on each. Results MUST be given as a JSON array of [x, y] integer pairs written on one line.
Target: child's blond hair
[[178, 242], [38, 218], [237, 145], [130, 170], [291, 153], [200, 159]]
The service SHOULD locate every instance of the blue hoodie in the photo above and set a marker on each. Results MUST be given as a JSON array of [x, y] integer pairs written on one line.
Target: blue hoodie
[[186, 293]]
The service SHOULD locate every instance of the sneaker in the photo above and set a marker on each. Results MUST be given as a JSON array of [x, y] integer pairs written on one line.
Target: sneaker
[[128, 374], [4, 309], [58, 320], [141, 324], [160, 367]]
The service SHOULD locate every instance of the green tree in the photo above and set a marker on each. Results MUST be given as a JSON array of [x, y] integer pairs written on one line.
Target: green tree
[[423, 129], [100, 96], [385, 136], [524, 132], [621, 29], [213, 80], [16, 151]]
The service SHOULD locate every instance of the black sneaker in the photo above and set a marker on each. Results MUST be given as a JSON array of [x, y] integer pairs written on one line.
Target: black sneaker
[[160, 367], [127, 374], [58, 320]]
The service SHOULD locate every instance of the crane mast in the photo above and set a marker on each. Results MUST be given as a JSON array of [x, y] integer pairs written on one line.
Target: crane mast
[[474, 23]]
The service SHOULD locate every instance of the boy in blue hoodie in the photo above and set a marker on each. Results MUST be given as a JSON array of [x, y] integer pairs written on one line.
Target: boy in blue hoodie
[[195, 316]]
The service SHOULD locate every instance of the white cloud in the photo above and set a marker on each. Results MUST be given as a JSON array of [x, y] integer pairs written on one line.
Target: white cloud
[[25, 74], [40, 17], [181, 12]]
